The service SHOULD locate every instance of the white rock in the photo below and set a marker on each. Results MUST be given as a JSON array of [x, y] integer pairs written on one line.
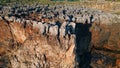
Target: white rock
[[0, 18], [41, 27], [18, 20], [53, 30]]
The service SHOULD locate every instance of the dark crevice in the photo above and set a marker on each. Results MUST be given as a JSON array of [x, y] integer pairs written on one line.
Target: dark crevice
[[83, 39], [107, 50], [58, 34]]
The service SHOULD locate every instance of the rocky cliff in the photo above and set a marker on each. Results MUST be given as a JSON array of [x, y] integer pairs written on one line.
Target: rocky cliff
[[86, 41], [23, 48]]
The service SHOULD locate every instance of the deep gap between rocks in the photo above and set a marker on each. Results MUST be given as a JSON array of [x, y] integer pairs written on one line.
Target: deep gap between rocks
[[82, 45]]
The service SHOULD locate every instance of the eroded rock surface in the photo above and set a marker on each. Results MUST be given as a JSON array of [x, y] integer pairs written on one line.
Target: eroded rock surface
[[58, 37]]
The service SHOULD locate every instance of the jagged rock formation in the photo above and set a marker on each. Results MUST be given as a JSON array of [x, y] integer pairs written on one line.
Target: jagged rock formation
[[58, 37], [28, 49]]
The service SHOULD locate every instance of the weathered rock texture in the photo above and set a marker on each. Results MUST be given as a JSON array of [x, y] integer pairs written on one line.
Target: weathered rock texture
[[26, 49], [88, 41]]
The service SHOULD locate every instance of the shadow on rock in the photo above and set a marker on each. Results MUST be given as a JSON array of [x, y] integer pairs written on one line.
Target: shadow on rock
[[83, 39]]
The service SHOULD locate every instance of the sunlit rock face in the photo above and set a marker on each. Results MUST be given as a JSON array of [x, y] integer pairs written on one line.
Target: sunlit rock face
[[59, 37], [29, 49]]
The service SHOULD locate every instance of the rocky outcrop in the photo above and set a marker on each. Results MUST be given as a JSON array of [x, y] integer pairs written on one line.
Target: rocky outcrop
[[28, 49], [65, 41]]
